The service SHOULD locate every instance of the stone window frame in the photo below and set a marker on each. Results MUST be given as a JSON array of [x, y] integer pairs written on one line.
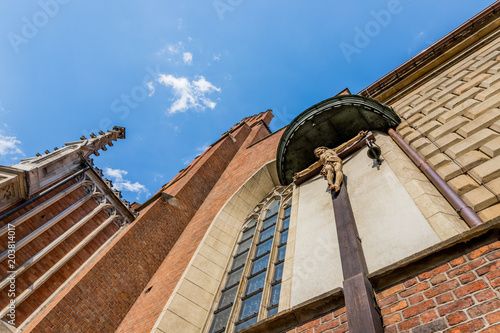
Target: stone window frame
[[284, 195]]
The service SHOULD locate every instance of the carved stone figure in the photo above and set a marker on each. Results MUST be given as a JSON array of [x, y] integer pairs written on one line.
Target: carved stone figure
[[332, 163]]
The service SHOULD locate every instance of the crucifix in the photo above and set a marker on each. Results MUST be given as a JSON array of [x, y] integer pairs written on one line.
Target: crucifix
[[362, 310]]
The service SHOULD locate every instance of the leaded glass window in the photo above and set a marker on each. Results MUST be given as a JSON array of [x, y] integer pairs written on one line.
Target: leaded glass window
[[251, 289]]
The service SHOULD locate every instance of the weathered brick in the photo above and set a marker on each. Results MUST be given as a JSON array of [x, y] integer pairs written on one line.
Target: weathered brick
[[493, 318], [435, 326], [389, 291], [444, 298], [428, 316], [479, 123], [480, 108], [484, 308], [488, 170], [455, 306], [472, 83], [462, 184], [487, 268], [492, 148], [415, 299], [467, 278], [479, 198], [473, 142], [458, 111], [440, 278], [457, 262], [472, 326], [448, 127], [489, 213], [388, 300], [417, 309], [394, 307], [442, 288], [415, 289], [456, 318], [434, 272], [392, 319], [484, 295], [409, 323]]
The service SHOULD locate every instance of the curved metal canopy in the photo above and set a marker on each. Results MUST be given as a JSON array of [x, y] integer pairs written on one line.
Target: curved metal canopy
[[328, 123]]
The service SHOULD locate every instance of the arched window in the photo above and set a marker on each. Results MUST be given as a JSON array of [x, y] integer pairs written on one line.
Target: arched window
[[251, 289]]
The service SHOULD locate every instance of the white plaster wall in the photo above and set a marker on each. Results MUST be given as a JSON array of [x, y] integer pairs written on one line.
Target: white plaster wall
[[390, 225], [316, 263]]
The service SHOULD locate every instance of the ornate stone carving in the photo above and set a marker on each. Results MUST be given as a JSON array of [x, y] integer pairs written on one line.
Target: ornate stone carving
[[332, 163]]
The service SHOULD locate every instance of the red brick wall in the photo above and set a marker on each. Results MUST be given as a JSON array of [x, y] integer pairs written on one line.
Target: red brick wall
[[332, 322], [100, 297], [28, 277], [148, 307], [459, 296]]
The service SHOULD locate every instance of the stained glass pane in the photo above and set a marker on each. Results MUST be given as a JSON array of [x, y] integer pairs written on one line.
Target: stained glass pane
[[267, 233], [260, 264], [227, 297], [278, 272], [275, 294], [250, 306], [247, 323], [281, 253], [273, 209], [234, 277], [220, 320], [270, 221], [244, 246], [264, 247], [248, 233], [286, 223], [288, 211], [255, 283], [239, 260], [272, 312], [284, 237], [252, 224]]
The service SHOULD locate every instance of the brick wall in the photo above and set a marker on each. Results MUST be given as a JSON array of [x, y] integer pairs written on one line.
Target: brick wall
[[32, 274], [100, 296], [461, 295], [332, 322], [148, 307]]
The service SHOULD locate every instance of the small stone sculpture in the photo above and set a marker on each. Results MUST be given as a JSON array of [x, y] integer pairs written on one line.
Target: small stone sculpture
[[332, 163]]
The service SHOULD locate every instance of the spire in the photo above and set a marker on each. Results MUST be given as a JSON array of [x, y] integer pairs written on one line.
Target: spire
[[43, 170]]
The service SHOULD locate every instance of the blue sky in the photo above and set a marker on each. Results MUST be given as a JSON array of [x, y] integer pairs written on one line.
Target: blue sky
[[178, 74]]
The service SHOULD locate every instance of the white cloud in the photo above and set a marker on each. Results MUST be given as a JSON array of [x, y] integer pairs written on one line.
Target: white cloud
[[151, 88], [202, 148], [9, 147], [216, 57], [122, 184], [189, 95], [187, 57]]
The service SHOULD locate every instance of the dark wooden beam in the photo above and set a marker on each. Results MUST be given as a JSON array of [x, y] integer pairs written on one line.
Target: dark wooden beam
[[361, 307]]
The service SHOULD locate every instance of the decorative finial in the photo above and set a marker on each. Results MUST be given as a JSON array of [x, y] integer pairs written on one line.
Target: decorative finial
[[101, 132], [83, 138], [47, 152], [38, 154], [92, 135], [55, 148]]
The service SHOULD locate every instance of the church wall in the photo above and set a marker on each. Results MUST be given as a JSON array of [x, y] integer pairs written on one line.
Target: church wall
[[316, 261], [457, 109], [56, 244], [143, 316], [389, 223], [101, 296], [191, 303]]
